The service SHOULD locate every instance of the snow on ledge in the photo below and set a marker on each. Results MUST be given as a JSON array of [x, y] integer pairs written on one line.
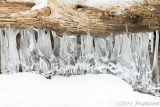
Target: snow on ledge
[[40, 4], [120, 5], [103, 4]]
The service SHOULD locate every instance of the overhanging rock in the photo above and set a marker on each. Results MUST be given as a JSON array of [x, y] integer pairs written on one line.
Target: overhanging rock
[[80, 19]]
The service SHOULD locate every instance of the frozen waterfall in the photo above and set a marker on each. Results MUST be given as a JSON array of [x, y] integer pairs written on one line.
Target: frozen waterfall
[[44, 52]]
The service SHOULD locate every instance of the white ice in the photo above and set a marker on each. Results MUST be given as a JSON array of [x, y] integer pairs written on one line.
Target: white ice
[[103, 90]]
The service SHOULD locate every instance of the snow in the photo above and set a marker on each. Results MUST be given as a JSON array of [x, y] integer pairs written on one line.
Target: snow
[[103, 90], [103, 4], [40, 4]]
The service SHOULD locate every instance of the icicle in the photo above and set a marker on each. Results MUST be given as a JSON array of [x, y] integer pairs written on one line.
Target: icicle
[[44, 41], [96, 48], [110, 46], [82, 46], [4, 51], [102, 43], [13, 52], [126, 52], [24, 51], [146, 44], [152, 41], [56, 44], [1, 48], [126, 29], [88, 43], [33, 51], [155, 67], [137, 49], [116, 49]]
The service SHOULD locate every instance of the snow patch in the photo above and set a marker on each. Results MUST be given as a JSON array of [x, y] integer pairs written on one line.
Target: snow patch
[[103, 4], [32, 90], [100, 4], [40, 4]]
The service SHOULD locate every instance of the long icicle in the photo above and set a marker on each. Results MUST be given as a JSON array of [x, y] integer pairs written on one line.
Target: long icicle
[[155, 67]]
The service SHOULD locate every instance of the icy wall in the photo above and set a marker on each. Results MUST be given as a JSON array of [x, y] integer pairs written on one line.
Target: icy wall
[[42, 51]]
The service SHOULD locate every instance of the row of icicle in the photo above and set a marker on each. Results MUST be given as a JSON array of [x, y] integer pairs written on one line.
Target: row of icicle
[[42, 51]]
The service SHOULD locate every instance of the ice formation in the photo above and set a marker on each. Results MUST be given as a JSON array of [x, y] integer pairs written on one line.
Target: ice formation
[[44, 52], [40, 4]]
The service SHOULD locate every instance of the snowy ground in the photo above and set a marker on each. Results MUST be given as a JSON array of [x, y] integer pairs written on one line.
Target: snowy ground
[[103, 90]]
